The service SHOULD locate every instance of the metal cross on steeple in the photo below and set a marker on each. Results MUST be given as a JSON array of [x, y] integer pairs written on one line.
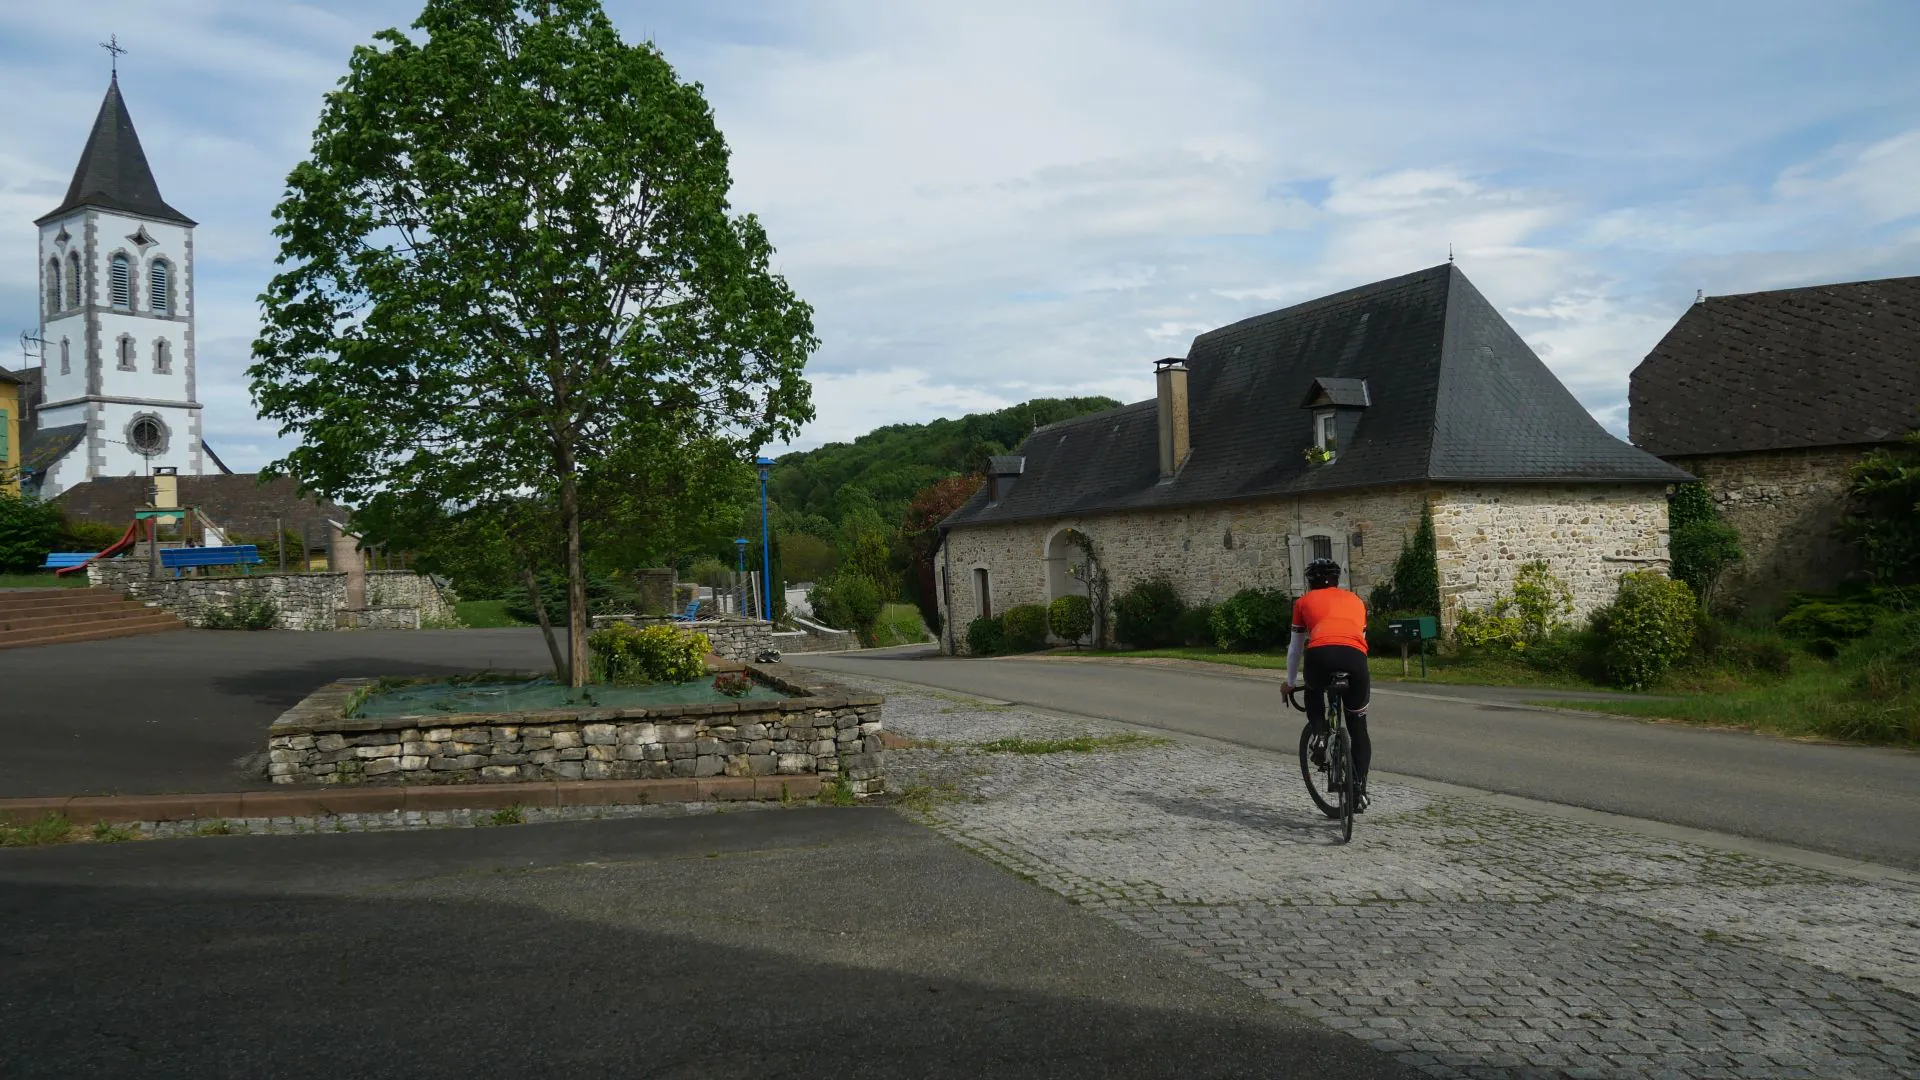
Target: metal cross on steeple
[[112, 45]]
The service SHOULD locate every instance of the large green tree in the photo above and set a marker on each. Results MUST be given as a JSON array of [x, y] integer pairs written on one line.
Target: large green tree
[[509, 266]]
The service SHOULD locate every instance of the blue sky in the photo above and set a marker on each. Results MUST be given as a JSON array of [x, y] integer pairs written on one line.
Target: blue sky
[[992, 201]]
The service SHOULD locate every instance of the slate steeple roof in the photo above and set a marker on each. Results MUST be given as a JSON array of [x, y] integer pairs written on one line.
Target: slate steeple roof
[[1452, 392], [1827, 365], [113, 172]]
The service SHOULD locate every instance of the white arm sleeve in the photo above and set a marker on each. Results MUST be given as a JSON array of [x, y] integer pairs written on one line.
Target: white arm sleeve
[[1296, 650]]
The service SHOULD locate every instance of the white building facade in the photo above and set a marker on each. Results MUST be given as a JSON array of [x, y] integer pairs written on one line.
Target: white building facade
[[117, 395]]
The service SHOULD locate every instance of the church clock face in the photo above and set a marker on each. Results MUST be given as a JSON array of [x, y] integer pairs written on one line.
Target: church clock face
[[147, 435]]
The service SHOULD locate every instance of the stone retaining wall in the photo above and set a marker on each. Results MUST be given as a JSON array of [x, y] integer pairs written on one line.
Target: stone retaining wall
[[736, 639], [821, 730], [397, 599], [1786, 505]]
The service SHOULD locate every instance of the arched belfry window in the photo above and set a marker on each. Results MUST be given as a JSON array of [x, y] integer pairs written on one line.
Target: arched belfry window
[[66, 356], [126, 353], [159, 293], [53, 286], [120, 281], [163, 357], [73, 279]]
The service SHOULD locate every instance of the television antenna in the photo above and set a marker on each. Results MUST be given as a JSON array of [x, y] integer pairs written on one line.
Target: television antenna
[[33, 347]]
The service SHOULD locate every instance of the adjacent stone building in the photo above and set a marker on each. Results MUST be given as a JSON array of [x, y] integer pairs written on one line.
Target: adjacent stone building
[[1320, 431], [1769, 397]]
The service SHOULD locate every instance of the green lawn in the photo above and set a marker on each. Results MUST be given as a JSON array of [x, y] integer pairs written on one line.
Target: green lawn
[[900, 624], [484, 614], [1385, 668], [1815, 702], [43, 581]]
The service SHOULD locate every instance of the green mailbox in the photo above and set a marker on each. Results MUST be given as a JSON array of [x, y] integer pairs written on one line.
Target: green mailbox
[[1413, 632]]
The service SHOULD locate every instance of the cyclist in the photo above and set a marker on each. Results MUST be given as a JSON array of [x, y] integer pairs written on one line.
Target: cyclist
[[1330, 634]]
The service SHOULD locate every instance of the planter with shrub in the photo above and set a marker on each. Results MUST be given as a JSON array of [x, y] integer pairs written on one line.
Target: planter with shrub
[[1147, 616]]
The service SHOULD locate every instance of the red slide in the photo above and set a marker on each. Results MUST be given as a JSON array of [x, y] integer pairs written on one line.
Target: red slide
[[132, 536]]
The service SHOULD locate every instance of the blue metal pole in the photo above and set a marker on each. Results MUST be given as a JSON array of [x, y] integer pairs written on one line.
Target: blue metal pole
[[766, 552]]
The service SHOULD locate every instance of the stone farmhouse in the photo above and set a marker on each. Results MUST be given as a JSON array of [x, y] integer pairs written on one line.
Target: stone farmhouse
[[1769, 397], [1414, 391]]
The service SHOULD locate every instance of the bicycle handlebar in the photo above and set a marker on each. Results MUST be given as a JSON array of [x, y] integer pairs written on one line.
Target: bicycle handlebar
[[1296, 706]]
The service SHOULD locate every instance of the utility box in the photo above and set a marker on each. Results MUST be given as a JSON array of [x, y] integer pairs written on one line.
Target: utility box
[[1421, 628], [1413, 633]]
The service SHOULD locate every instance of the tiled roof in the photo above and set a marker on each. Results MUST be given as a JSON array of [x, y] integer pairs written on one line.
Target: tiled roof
[[43, 446], [1830, 365], [113, 172], [240, 503], [1455, 395]]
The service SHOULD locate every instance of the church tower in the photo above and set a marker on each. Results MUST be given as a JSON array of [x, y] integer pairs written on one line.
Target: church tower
[[116, 286]]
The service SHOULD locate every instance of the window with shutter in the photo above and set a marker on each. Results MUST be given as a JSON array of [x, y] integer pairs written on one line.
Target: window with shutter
[[73, 280], [120, 282], [158, 293], [5, 446]]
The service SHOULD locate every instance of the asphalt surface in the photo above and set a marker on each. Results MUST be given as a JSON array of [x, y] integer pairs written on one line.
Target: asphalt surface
[[791, 943], [1858, 802], [188, 710]]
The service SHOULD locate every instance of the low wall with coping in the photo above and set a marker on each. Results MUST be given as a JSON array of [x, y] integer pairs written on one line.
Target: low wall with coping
[[736, 639], [396, 599], [820, 730]]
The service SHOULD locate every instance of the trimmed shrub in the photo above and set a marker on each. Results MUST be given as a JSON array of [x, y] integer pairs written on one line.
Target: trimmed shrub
[[1253, 620], [1147, 616], [1070, 618], [848, 600], [1825, 626], [1416, 573], [1196, 626], [627, 654], [1648, 627], [986, 637], [1026, 628], [29, 528]]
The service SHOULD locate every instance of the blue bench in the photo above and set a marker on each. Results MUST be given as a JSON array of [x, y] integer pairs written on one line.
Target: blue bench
[[241, 555], [61, 560], [692, 613]]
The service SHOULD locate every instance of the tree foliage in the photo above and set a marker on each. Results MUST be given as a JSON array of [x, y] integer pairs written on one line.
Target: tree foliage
[[509, 273], [920, 528], [1415, 585], [1703, 547], [1885, 524], [29, 528]]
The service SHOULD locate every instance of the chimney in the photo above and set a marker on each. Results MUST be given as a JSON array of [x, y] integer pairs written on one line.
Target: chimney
[[1171, 376]]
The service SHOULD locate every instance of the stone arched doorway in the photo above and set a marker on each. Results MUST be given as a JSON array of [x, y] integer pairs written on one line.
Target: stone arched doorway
[[1063, 561]]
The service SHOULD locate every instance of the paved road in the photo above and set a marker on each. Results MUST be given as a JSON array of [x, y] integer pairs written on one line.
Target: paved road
[[189, 710], [781, 943], [1858, 802]]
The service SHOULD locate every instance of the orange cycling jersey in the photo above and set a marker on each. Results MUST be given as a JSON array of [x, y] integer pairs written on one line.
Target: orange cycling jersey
[[1332, 616]]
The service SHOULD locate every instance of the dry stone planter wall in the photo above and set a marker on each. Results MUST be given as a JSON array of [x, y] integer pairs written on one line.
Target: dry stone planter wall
[[821, 730]]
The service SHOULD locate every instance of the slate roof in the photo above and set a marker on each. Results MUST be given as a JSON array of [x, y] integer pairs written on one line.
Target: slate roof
[[1829, 365], [1455, 395], [238, 502], [113, 172], [43, 446]]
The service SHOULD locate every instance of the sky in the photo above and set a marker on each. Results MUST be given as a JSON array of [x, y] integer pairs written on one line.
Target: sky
[[991, 201]]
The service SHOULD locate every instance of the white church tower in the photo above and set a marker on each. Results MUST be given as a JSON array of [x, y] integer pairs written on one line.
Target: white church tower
[[116, 287]]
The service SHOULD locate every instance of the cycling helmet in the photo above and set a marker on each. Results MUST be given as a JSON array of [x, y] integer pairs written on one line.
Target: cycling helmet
[[1322, 573]]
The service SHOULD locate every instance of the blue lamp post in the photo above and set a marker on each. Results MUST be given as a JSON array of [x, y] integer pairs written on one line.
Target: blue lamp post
[[766, 553], [739, 592]]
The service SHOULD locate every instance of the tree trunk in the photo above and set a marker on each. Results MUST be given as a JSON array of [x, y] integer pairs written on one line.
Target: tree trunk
[[546, 625], [576, 575]]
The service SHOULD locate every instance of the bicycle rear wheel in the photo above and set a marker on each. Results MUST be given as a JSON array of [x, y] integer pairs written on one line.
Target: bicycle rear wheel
[[1319, 784], [1340, 755]]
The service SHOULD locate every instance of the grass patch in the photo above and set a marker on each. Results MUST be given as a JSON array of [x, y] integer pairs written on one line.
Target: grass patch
[[506, 815], [900, 624], [1079, 744], [838, 791], [485, 614], [46, 580], [113, 834], [1815, 702], [52, 829], [218, 828], [1445, 670]]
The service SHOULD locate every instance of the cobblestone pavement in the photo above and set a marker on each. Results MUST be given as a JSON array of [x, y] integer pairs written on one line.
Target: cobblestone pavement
[[1471, 940]]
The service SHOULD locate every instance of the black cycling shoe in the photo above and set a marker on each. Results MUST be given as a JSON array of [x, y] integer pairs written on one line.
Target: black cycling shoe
[[1360, 800]]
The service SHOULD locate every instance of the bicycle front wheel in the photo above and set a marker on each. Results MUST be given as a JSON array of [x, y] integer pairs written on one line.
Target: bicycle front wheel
[[1314, 766]]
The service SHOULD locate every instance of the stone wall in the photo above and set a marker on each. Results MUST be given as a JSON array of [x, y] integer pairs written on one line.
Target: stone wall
[[1786, 505], [301, 601], [1588, 535], [735, 639], [1210, 553], [833, 733]]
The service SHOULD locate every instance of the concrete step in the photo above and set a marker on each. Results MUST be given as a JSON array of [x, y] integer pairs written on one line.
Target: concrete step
[[158, 622], [44, 620], [89, 601]]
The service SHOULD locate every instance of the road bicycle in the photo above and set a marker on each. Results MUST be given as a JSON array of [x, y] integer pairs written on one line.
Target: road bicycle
[[1326, 757]]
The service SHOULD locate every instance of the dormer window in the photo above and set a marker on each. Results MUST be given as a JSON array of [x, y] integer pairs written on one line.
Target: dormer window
[[1337, 405], [1325, 434]]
